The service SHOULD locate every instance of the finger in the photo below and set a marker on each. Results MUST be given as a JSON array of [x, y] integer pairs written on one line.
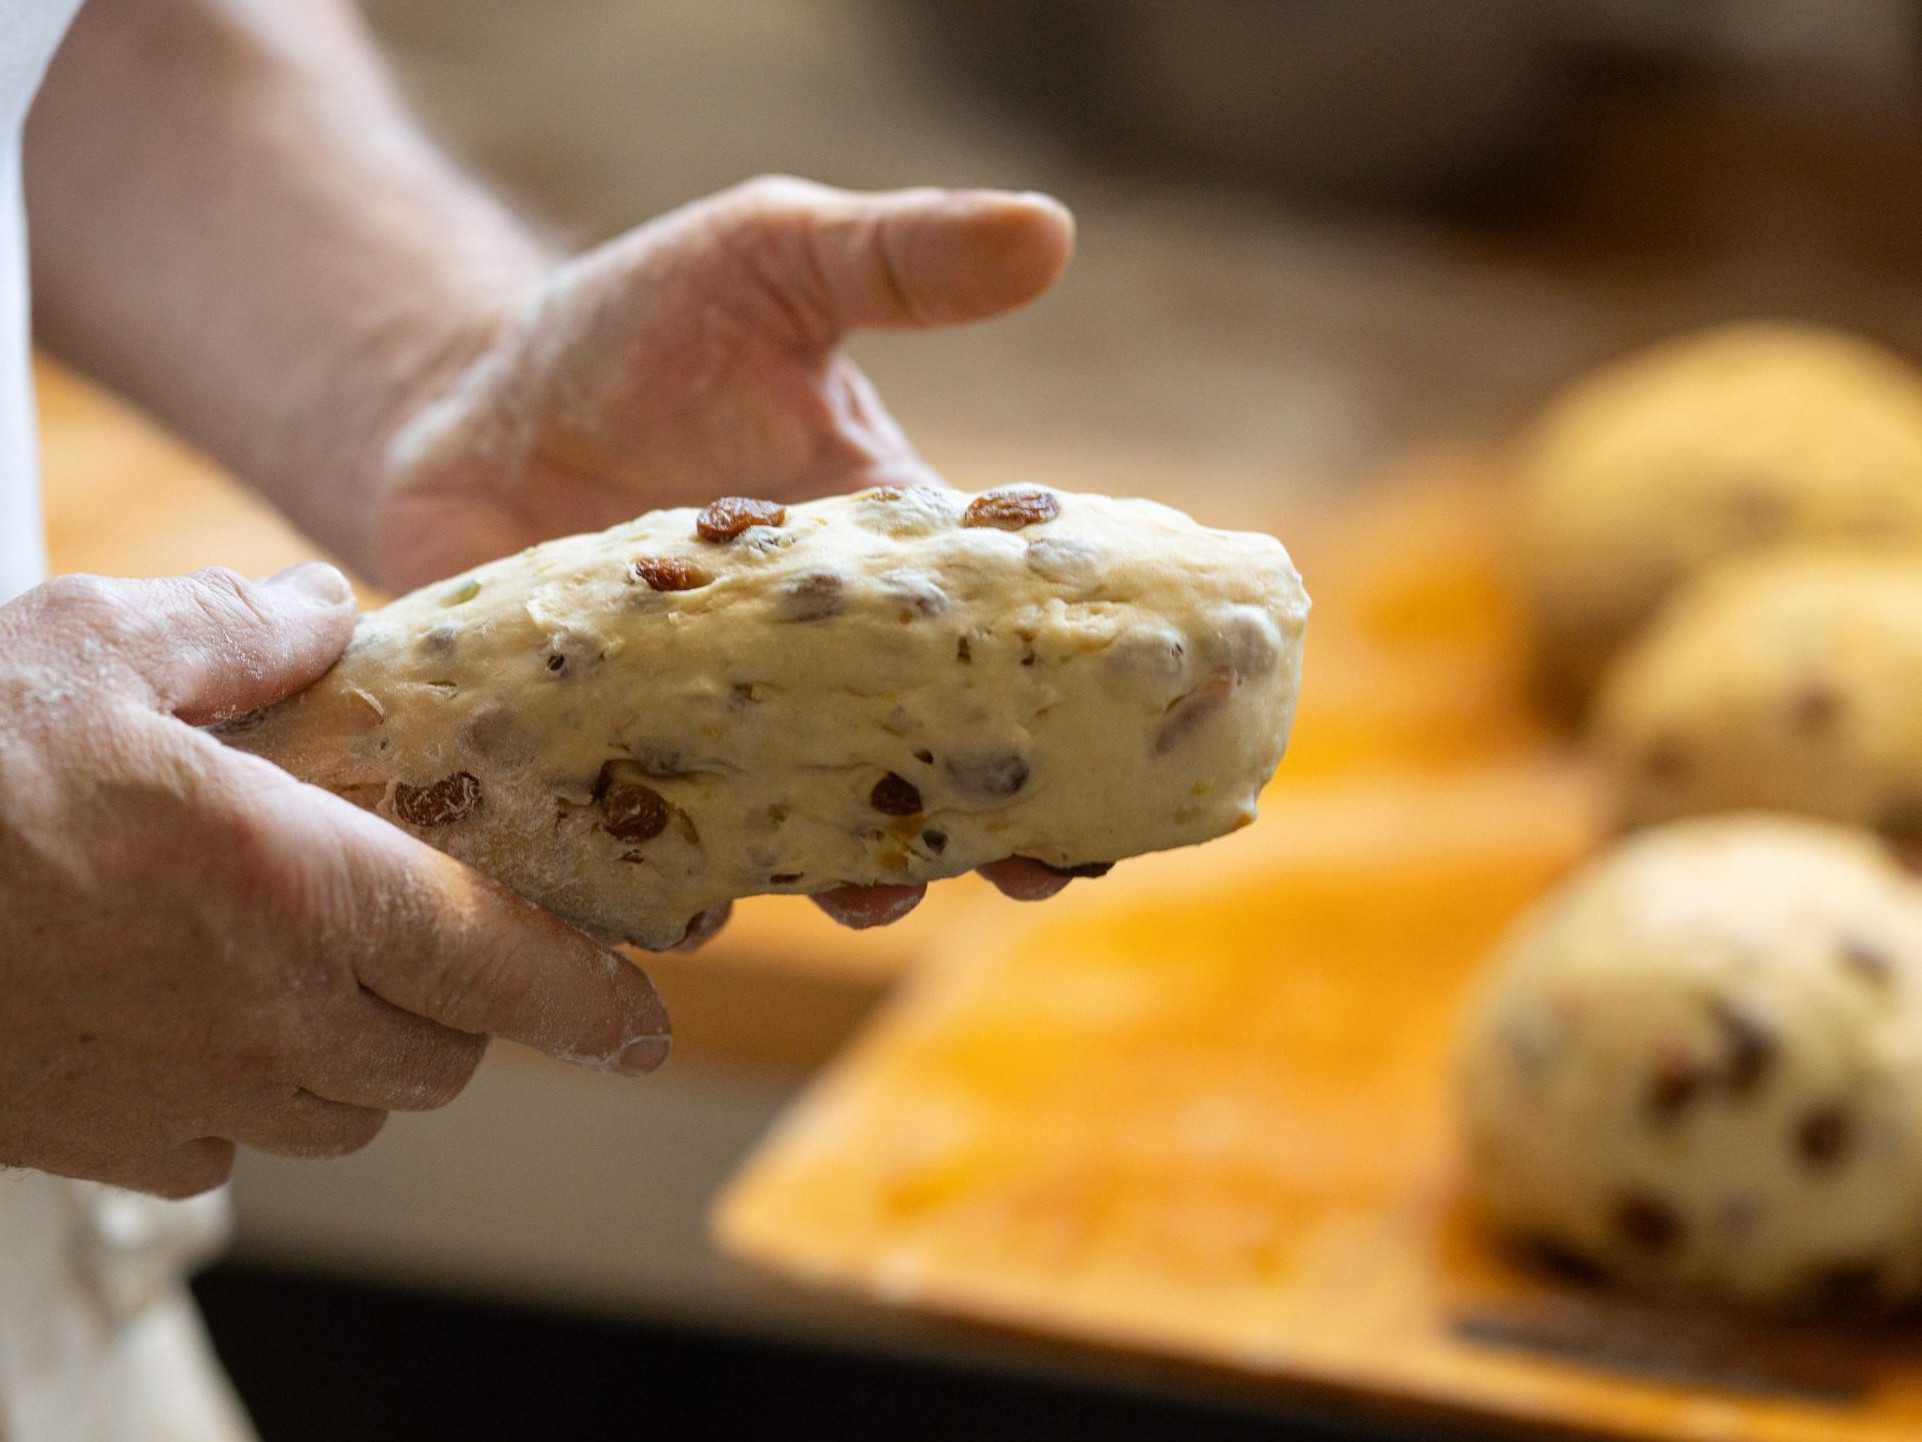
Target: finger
[[213, 644], [445, 943], [936, 257], [860, 907], [392, 1060], [305, 1125], [839, 259], [1020, 879]]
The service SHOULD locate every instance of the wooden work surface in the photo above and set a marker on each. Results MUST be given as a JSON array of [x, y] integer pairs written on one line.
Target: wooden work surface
[[1204, 1112]]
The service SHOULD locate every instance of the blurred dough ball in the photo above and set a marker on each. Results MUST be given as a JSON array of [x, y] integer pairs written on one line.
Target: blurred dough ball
[[1697, 1068], [1792, 681], [1663, 463]]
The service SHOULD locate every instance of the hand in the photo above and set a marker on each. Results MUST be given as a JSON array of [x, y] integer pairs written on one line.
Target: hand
[[701, 356], [694, 357], [196, 949]]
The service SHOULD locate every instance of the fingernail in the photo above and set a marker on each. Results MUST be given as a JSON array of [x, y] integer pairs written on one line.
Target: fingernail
[[316, 581], [643, 1055]]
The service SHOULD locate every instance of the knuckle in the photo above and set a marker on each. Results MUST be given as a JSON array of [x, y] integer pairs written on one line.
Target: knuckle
[[91, 603], [226, 597], [223, 580], [469, 991], [769, 194]]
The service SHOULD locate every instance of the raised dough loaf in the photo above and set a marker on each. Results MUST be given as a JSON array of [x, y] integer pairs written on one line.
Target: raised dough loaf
[[1698, 1067], [631, 727]]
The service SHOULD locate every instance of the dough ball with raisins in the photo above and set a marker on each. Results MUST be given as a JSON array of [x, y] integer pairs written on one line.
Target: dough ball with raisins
[[1697, 1067], [1658, 466], [1791, 682]]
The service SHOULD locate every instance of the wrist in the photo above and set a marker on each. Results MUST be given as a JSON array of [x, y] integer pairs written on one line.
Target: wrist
[[375, 398]]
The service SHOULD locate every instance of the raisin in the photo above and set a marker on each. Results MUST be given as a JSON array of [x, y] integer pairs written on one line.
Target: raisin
[[935, 841], [813, 597], [895, 795], [917, 593], [1845, 1286], [557, 663], [441, 803], [963, 652], [925, 757], [487, 730], [1563, 1260], [1084, 869], [1815, 707], [784, 878], [991, 774], [1757, 508], [1750, 1045], [667, 573], [1867, 960], [1677, 1080], [1823, 1137], [1666, 760], [1253, 645], [1906, 856], [440, 640], [1185, 713], [1064, 560], [1647, 1223], [1900, 819], [631, 810], [726, 518], [1011, 510]]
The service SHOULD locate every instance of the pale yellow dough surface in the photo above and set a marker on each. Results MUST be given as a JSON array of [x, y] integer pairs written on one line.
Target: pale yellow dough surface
[[873, 690], [1698, 1066], [1791, 682], [1661, 465]]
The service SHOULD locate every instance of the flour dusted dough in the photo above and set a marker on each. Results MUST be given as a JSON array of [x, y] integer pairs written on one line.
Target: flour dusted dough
[[632, 727], [1698, 1067], [1678, 458]]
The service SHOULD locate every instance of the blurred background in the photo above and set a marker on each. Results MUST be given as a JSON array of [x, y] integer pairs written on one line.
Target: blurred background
[[1309, 231], [1314, 237]]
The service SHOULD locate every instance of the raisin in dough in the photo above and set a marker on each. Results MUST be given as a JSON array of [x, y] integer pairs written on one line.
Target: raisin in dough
[[1663, 464], [1791, 682], [1698, 1067], [631, 727]]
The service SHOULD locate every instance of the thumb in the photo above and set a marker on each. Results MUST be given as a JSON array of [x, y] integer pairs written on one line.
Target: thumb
[[910, 258], [215, 644]]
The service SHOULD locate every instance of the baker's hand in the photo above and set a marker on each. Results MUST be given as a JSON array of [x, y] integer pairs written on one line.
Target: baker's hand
[[196, 949], [699, 356], [696, 357]]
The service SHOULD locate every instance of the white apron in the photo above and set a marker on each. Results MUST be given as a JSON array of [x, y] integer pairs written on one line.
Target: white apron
[[99, 1340]]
